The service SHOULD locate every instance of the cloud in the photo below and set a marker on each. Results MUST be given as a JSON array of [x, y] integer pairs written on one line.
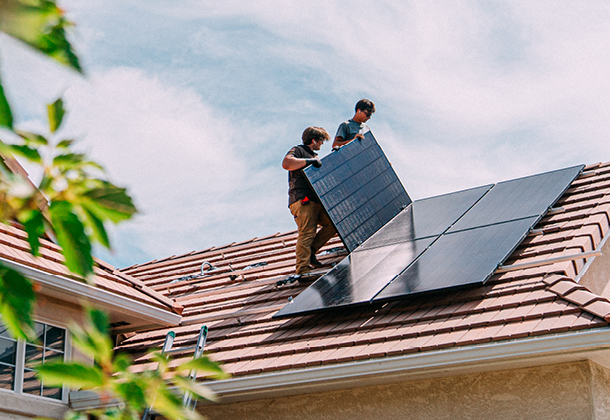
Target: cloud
[[193, 104], [176, 154]]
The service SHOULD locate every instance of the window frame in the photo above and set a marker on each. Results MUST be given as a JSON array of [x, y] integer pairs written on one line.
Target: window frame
[[20, 364]]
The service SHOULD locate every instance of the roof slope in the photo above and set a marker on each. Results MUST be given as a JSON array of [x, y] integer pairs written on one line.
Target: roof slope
[[237, 300], [15, 248]]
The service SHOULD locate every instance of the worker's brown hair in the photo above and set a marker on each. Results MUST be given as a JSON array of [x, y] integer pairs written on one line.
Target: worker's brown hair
[[314, 133]]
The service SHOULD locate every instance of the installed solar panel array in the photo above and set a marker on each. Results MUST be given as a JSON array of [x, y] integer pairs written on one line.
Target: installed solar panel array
[[440, 242]]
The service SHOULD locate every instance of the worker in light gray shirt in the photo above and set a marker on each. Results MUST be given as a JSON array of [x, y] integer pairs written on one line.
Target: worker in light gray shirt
[[356, 126]]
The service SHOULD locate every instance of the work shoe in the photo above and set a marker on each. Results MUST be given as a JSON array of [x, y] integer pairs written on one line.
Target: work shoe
[[313, 261], [308, 277]]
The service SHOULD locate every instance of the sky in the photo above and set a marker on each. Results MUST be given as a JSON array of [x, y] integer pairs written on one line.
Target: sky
[[193, 104]]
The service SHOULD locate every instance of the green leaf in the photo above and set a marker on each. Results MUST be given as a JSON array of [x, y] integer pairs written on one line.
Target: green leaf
[[33, 222], [65, 144], [99, 320], [16, 302], [97, 228], [56, 113], [171, 406], [73, 374], [41, 25], [133, 393], [197, 389], [121, 363], [203, 365], [6, 115], [71, 237], [109, 203], [69, 160], [30, 153], [32, 139]]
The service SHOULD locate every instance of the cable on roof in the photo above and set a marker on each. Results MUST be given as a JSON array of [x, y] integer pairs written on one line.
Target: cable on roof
[[260, 264]]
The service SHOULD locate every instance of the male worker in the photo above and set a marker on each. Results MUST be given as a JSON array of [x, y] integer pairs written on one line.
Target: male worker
[[303, 202], [355, 128]]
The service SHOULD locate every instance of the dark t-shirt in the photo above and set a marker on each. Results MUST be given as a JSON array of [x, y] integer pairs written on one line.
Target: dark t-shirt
[[298, 186]]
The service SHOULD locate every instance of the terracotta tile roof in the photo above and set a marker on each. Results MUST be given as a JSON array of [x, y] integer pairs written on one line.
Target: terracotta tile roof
[[14, 247], [237, 300]]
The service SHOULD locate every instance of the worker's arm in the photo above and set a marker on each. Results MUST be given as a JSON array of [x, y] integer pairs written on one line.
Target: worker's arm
[[340, 141], [291, 163]]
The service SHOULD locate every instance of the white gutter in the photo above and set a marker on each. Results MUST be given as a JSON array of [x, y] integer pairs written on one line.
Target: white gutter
[[98, 297], [525, 352]]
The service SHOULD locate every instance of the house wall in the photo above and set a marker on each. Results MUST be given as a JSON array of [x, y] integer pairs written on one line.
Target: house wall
[[15, 406], [577, 390]]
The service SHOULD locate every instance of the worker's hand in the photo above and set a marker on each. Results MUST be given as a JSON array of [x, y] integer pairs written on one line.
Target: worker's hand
[[359, 136], [316, 162]]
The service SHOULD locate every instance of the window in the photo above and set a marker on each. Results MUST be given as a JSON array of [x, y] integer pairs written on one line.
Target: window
[[17, 359]]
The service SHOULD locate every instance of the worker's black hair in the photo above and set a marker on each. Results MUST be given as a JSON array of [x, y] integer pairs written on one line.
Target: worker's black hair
[[365, 105]]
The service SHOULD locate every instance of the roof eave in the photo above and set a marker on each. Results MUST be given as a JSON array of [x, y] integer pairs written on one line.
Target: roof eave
[[75, 291], [591, 344]]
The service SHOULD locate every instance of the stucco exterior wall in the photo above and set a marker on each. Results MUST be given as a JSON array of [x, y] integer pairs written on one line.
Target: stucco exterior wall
[[578, 390]]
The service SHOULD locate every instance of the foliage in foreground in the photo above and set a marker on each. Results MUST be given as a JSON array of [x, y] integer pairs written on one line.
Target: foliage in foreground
[[112, 377], [72, 203]]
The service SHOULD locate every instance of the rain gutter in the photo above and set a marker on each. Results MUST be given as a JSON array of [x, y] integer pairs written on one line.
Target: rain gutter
[[511, 354]]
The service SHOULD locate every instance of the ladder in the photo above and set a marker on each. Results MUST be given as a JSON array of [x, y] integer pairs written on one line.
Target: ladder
[[188, 400]]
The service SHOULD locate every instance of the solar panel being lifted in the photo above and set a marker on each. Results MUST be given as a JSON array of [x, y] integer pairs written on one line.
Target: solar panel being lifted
[[437, 243], [359, 190]]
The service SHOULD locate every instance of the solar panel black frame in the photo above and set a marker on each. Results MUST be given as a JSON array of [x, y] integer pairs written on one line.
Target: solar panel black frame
[[359, 190]]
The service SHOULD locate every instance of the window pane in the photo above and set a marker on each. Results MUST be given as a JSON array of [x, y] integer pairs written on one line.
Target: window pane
[[39, 332], [8, 349], [31, 384], [55, 338], [4, 331], [51, 393], [7, 376], [53, 356], [33, 355]]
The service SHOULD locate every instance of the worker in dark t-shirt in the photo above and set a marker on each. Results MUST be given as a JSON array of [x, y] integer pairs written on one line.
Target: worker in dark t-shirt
[[303, 202]]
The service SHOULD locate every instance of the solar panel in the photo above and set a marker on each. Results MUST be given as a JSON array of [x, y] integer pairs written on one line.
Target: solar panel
[[427, 217], [359, 190], [461, 258], [518, 198], [357, 278]]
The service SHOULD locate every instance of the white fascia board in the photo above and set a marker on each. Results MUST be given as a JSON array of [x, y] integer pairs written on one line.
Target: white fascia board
[[102, 298], [511, 354]]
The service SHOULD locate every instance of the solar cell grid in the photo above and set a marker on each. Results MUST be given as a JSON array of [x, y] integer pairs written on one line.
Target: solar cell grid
[[519, 198], [359, 190], [358, 278], [460, 258]]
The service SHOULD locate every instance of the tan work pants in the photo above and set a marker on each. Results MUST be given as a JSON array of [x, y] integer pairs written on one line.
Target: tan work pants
[[307, 218]]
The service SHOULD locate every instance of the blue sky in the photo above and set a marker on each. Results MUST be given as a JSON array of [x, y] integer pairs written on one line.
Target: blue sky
[[193, 104]]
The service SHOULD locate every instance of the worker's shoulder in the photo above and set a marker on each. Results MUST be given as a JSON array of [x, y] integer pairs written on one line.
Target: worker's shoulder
[[298, 151]]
